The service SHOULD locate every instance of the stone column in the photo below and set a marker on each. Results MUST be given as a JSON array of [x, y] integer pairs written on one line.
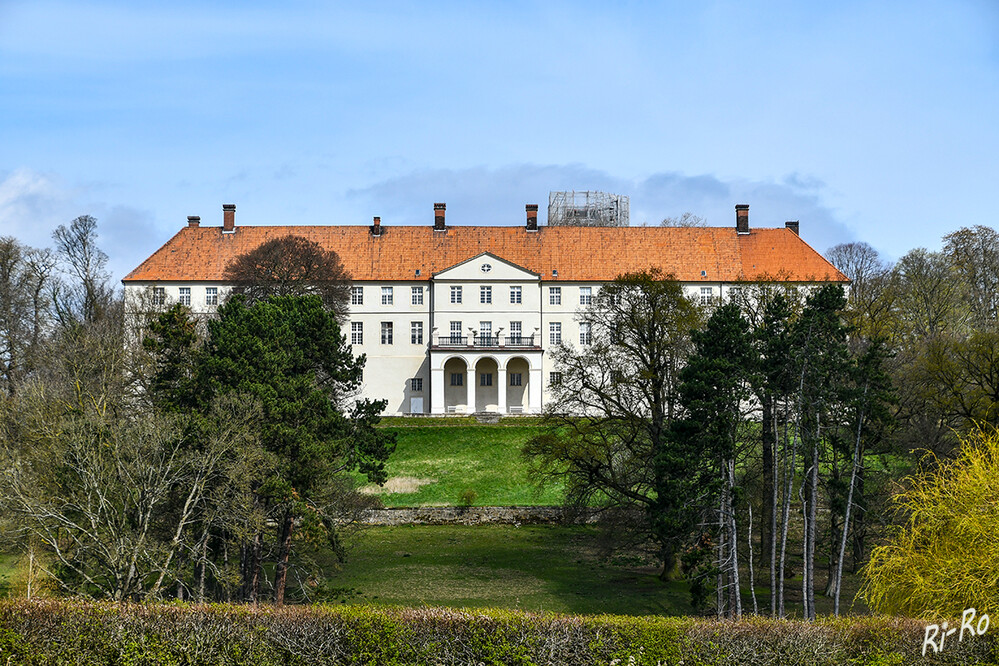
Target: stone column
[[437, 391], [470, 389], [501, 389]]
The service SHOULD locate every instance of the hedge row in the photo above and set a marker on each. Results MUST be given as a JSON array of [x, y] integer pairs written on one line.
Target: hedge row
[[60, 632]]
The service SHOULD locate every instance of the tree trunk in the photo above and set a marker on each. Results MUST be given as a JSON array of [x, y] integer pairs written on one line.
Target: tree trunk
[[668, 556], [773, 520], [733, 539], [749, 543], [281, 572], [720, 580], [846, 513], [256, 568], [788, 486], [859, 522], [805, 568], [768, 439], [31, 568], [202, 569], [813, 501]]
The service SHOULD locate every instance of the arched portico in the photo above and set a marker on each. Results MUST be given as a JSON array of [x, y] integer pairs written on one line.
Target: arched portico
[[455, 387], [518, 380], [487, 388], [494, 382]]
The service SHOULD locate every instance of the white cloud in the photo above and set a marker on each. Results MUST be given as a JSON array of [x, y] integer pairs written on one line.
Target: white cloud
[[29, 203], [33, 204]]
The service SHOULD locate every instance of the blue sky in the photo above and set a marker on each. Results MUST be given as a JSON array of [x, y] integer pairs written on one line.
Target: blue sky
[[872, 121]]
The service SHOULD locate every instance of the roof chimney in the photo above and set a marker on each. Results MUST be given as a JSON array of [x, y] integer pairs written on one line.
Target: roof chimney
[[439, 217], [742, 218], [376, 227], [793, 226], [532, 217], [193, 220], [228, 217]]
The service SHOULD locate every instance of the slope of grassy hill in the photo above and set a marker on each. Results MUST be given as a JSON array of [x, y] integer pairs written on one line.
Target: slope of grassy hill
[[461, 464]]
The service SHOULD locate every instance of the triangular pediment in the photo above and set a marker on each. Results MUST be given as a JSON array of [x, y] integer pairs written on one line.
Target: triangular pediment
[[485, 266]]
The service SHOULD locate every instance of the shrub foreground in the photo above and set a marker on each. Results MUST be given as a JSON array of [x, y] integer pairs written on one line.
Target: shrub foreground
[[60, 632]]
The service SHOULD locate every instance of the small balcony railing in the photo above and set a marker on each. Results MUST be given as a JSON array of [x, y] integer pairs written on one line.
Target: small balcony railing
[[484, 341]]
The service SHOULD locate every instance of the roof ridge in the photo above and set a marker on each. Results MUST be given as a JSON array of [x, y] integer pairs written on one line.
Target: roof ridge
[[580, 254]]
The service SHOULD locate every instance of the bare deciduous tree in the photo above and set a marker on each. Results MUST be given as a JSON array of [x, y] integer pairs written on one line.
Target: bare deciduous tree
[[688, 219], [121, 505], [291, 266], [88, 293], [974, 252], [25, 276], [871, 297]]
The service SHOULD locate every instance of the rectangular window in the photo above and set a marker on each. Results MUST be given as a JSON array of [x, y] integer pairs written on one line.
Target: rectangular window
[[457, 379], [516, 379], [357, 295], [706, 293], [185, 296], [356, 333], [416, 384], [417, 296], [516, 295], [386, 332], [486, 379], [386, 295], [485, 332], [585, 333], [555, 378], [486, 295], [585, 295], [416, 332], [735, 293], [455, 332], [456, 294], [516, 337], [555, 333], [159, 296], [211, 295], [554, 295]]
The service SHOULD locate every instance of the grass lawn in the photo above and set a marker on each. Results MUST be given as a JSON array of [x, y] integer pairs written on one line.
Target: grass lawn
[[435, 466], [535, 568]]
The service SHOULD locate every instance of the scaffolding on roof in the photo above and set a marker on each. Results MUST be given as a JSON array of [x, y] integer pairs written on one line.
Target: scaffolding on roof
[[587, 209]]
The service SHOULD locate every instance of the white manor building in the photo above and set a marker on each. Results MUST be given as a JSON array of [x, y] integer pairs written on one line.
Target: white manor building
[[456, 320]]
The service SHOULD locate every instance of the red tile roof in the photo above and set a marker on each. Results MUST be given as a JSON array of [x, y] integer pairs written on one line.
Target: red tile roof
[[578, 253]]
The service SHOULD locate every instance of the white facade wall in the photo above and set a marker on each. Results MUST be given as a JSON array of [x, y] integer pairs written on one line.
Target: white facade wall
[[520, 370], [390, 367]]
